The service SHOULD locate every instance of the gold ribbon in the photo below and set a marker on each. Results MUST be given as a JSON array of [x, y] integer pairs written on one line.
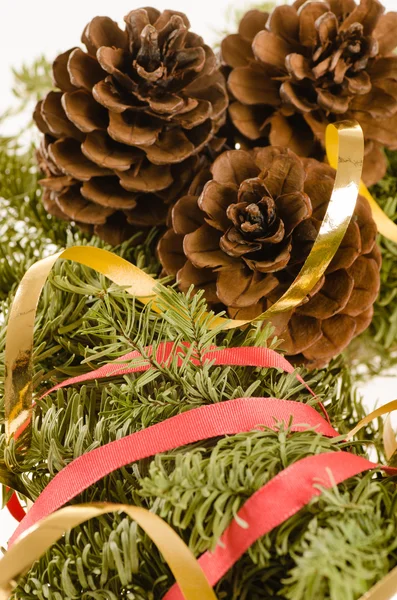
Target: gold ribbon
[[31, 546], [19, 336], [11, 481], [386, 589], [348, 144], [389, 437], [382, 410], [385, 225]]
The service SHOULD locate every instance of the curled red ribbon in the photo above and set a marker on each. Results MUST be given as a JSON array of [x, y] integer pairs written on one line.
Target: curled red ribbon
[[270, 506], [252, 356]]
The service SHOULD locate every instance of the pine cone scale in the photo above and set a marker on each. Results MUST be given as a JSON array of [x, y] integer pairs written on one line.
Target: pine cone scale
[[332, 298], [384, 33], [149, 178], [271, 50], [285, 24], [60, 72], [336, 332], [55, 118], [248, 288], [377, 104], [105, 93], [106, 191], [302, 333], [82, 110], [202, 247], [133, 128], [252, 22], [67, 155], [384, 68], [368, 14], [76, 207], [214, 201], [105, 152], [84, 71], [237, 51], [248, 88], [102, 31]]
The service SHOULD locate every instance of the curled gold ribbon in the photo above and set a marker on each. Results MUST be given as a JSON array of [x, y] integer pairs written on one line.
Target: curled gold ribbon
[[385, 225], [31, 546], [389, 438], [348, 144], [19, 337], [382, 410], [11, 481], [386, 589]]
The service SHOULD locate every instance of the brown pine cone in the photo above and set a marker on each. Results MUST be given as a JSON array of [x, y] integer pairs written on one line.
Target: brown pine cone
[[132, 113], [313, 63], [244, 236]]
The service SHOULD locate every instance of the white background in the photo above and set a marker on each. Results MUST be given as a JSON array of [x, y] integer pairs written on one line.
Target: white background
[[29, 28]]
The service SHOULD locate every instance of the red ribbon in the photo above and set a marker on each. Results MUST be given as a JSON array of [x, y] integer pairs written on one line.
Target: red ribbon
[[246, 356], [252, 356], [274, 503], [15, 507], [230, 417]]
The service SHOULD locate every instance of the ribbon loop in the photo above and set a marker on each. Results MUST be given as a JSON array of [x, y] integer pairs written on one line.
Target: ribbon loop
[[29, 548], [384, 224]]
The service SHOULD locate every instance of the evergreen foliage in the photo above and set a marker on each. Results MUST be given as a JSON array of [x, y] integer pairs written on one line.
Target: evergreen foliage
[[197, 489], [337, 547]]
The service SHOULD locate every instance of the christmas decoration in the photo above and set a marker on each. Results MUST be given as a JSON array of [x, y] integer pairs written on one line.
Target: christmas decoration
[[155, 441], [302, 66], [254, 224], [129, 117]]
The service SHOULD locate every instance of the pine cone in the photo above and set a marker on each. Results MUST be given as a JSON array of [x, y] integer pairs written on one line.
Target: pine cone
[[313, 63], [132, 113], [244, 236]]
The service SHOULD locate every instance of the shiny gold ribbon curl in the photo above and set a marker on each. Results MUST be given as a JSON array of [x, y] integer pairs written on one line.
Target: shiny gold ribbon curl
[[389, 436], [32, 545], [385, 225], [348, 143], [390, 444], [386, 589]]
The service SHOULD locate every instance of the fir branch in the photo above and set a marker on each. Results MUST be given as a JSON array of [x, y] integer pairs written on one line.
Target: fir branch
[[31, 82]]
